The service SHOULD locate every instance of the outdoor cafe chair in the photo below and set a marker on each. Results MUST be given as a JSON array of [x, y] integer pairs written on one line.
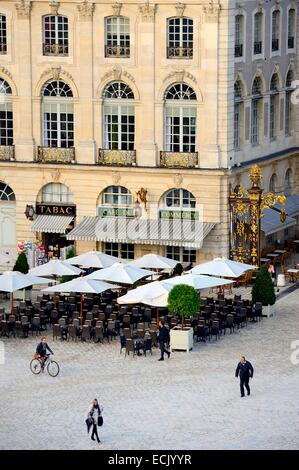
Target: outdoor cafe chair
[[122, 340], [130, 348]]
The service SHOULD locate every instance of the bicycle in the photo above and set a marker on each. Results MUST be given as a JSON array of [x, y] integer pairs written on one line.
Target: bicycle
[[52, 366]]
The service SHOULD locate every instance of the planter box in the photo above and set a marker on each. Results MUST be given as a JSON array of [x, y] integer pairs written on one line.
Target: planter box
[[181, 339], [268, 311]]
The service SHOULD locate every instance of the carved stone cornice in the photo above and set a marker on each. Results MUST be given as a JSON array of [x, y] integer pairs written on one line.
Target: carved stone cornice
[[239, 8], [117, 73], [116, 7], [85, 10], [212, 10], [54, 7], [55, 73], [23, 8], [5, 71], [179, 76], [180, 8], [147, 12]]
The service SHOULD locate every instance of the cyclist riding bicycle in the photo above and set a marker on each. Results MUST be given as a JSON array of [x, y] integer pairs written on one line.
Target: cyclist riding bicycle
[[41, 351]]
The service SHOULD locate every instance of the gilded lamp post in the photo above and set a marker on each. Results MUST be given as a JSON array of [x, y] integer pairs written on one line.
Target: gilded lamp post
[[246, 212]]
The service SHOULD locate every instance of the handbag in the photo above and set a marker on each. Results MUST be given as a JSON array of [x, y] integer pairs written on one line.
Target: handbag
[[100, 420]]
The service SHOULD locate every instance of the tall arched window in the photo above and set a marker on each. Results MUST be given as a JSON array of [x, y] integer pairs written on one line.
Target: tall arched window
[[117, 196], [179, 38], [256, 110], [6, 114], [3, 34], [273, 183], [119, 117], [55, 193], [6, 193], [238, 115], [58, 115], [258, 33], [55, 35], [239, 35], [275, 31], [274, 106], [117, 35], [288, 104], [288, 182], [178, 198], [291, 28], [180, 118]]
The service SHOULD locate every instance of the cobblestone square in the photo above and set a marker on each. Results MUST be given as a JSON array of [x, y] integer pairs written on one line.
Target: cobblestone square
[[190, 401]]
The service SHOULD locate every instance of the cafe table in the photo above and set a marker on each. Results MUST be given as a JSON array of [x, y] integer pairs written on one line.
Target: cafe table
[[272, 255], [281, 252], [265, 260], [294, 274]]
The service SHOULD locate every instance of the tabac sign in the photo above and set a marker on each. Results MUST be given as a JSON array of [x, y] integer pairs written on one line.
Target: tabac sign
[[56, 209]]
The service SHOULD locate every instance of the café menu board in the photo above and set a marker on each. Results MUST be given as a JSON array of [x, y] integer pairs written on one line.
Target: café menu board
[[56, 209]]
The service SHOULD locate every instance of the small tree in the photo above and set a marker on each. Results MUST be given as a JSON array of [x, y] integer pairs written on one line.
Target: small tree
[[70, 254], [263, 288], [183, 300], [21, 264]]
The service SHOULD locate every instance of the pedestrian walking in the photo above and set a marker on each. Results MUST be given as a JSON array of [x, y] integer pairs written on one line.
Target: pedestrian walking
[[94, 419], [244, 370], [163, 339]]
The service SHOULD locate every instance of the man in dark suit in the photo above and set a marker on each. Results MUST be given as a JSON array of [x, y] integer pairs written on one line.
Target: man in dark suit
[[41, 350], [163, 339], [245, 371]]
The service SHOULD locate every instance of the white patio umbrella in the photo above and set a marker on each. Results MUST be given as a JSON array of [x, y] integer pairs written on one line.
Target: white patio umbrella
[[93, 259], [11, 281], [55, 268], [121, 273], [82, 285], [147, 291], [198, 281], [153, 261], [222, 267]]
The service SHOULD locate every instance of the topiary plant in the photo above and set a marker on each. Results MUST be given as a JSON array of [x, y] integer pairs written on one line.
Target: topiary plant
[[21, 264], [70, 254], [263, 288], [183, 300]]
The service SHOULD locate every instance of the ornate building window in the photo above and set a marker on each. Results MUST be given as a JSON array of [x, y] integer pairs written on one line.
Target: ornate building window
[[3, 34], [119, 117], [179, 199], [179, 38], [274, 107], [58, 115], [6, 114], [288, 182], [239, 35], [55, 193], [288, 104], [117, 33], [55, 35], [120, 250], [256, 110], [6, 193], [180, 119], [117, 196], [273, 183], [275, 30], [258, 33], [180, 254], [238, 115], [291, 28]]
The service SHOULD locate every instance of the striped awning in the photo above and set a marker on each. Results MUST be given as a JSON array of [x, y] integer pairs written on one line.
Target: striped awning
[[51, 223], [144, 232], [271, 222]]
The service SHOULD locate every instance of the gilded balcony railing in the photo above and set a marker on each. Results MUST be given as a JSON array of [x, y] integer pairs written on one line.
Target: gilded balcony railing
[[7, 152], [179, 159], [117, 157], [180, 52], [56, 155], [55, 49], [117, 51], [3, 48]]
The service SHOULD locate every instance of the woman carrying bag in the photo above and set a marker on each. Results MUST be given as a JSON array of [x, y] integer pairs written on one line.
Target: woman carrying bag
[[94, 419]]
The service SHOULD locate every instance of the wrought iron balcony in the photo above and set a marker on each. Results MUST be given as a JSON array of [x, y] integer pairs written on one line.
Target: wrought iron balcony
[[117, 157], [291, 42], [179, 159], [56, 49], [275, 45], [257, 49], [179, 52], [3, 48], [239, 50], [56, 155], [7, 152], [117, 51]]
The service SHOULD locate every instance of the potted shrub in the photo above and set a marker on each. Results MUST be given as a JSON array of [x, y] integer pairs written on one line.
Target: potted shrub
[[22, 266], [263, 291], [185, 301], [70, 254]]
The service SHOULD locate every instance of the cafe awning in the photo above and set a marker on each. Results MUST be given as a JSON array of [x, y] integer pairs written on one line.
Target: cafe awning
[[144, 232], [271, 222], [51, 223], [291, 206]]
